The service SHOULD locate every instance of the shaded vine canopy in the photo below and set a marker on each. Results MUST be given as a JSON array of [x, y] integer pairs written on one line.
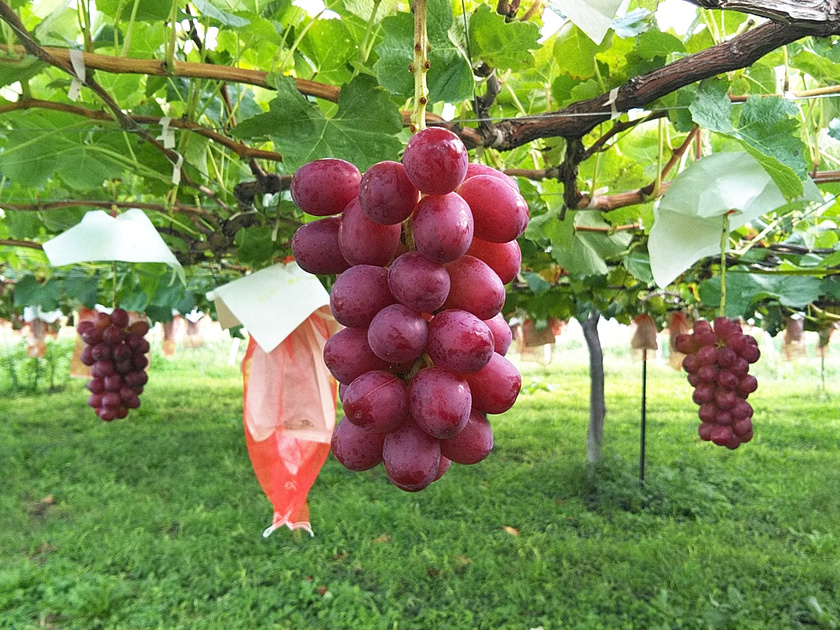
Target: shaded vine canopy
[[198, 112]]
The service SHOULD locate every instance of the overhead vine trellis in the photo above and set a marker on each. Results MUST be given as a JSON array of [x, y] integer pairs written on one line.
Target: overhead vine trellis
[[219, 208]]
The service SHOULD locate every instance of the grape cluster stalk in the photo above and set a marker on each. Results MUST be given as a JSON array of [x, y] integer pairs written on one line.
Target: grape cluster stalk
[[718, 358], [115, 350], [422, 249]]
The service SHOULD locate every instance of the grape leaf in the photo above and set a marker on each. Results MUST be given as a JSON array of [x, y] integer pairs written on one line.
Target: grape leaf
[[711, 108], [362, 131], [329, 46], [29, 292], [783, 176], [21, 69], [147, 11], [223, 17], [769, 125], [81, 288], [766, 129], [577, 52], [579, 253], [746, 288], [652, 44], [449, 78], [501, 44]]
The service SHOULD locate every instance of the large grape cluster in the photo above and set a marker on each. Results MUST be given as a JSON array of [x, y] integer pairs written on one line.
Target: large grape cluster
[[717, 360], [423, 248], [115, 349]]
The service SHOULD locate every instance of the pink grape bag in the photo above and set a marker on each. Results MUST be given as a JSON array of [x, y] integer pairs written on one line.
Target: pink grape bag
[[289, 415]]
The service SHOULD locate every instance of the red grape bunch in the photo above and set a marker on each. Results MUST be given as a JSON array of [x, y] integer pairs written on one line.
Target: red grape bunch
[[718, 359], [115, 349], [423, 248]]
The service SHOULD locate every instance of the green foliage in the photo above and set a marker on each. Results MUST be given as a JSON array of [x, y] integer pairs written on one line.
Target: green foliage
[[244, 93], [449, 78], [361, 131]]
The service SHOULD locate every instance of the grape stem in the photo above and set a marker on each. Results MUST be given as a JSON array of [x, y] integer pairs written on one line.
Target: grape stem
[[724, 245], [419, 67], [114, 286]]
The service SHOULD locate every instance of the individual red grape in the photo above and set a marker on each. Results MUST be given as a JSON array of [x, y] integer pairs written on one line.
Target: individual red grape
[[704, 393], [474, 287], [419, 283], [101, 351], [708, 374], [443, 466], [707, 412], [315, 247], [386, 194], [500, 212], [747, 385], [86, 357], [325, 187], [411, 457], [397, 334], [139, 327], [685, 344], [439, 400], [360, 293], [107, 413], [364, 242], [742, 427], [502, 334], [459, 341], [474, 169], [111, 399], [96, 385], [503, 258], [132, 379], [376, 401], [442, 227], [121, 351], [750, 353], [727, 380], [472, 444], [101, 369], [356, 448], [435, 161], [496, 386], [721, 434], [347, 355], [706, 355], [120, 318]]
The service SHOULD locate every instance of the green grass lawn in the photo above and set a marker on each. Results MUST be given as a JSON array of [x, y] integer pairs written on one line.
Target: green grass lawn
[[156, 521]]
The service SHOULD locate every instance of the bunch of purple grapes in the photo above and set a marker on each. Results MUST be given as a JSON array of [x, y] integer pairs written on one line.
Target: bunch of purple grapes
[[423, 248], [115, 349], [718, 359]]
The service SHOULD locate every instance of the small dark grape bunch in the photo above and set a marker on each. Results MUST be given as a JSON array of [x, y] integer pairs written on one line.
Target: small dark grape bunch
[[718, 358], [115, 350]]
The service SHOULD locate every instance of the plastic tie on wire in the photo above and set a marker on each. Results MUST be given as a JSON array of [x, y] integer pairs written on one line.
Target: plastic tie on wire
[[176, 168], [167, 133], [77, 61], [614, 113]]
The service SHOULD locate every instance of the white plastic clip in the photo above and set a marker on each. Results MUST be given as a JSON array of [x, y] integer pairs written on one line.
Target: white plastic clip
[[167, 133], [176, 169], [77, 60], [614, 113]]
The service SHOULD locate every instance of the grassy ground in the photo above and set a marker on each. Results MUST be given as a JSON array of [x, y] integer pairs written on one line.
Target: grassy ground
[[155, 522]]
